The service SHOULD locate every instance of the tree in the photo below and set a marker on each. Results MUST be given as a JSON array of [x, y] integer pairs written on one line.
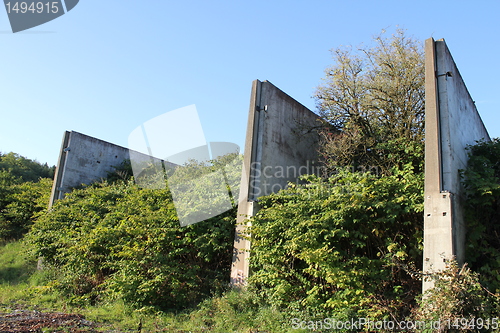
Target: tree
[[374, 99], [24, 192], [26, 169]]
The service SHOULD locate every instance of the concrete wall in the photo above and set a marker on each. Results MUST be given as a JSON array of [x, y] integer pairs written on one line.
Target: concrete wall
[[281, 144], [84, 159], [452, 123]]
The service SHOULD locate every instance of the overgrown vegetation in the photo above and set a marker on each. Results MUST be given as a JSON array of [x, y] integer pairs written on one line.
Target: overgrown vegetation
[[374, 99], [22, 287], [20, 167], [458, 303], [345, 246], [322, 245], [481, 180], [119, 241], [24, 193]]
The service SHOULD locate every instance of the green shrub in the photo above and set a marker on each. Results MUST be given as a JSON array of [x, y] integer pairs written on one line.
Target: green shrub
[[337, 246], [121, 241], [458, 303], [24, 192], [20, 203], [27, 201], [481, 180]]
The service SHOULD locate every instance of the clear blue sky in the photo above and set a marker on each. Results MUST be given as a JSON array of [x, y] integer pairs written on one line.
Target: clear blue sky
[[108, 66]]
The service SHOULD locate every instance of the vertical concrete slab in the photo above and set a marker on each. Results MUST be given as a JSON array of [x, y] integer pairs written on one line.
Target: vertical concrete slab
[[452, 123], [84, 159], [281, 144], [56, 192]]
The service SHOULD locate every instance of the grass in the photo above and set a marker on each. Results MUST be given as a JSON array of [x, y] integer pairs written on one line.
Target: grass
[[23, 287], [15, 268]]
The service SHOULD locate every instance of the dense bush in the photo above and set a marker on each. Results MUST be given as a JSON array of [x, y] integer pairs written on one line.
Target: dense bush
[[24, 192], [481, 180], [341, 244], [22, 203], [458, 303], [119, 240]]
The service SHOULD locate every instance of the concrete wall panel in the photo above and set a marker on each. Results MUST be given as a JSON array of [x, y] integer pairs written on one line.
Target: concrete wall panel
[[83, 160], [281, 144], [452, 123]]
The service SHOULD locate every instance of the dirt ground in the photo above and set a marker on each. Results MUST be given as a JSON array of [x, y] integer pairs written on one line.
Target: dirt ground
[[36, 321]]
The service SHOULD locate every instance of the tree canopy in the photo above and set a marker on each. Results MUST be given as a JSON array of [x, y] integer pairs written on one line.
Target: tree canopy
[[374, 99], [25, 168], [24, 192]]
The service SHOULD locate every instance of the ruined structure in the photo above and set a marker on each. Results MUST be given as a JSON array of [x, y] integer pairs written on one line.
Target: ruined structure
[[281, 145], [84, 159], [451, 123]]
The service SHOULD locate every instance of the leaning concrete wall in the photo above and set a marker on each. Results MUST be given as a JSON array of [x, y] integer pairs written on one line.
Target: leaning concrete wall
[[281, 144], [452, 123], [84, 160]]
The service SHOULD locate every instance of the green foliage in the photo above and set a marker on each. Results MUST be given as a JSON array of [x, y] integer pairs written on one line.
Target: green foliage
[[25, 202], [235, 311], [7, 181], [22, 288], [122, 241], [338, 245], [122, 172], [458, 302], [24, 168], [24, 192], [374, 97], [202, 190], [481, 180]]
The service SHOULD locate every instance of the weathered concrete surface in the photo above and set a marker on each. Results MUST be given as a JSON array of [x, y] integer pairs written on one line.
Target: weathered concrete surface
[[281, 144], [452, 123], [84, 159]]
